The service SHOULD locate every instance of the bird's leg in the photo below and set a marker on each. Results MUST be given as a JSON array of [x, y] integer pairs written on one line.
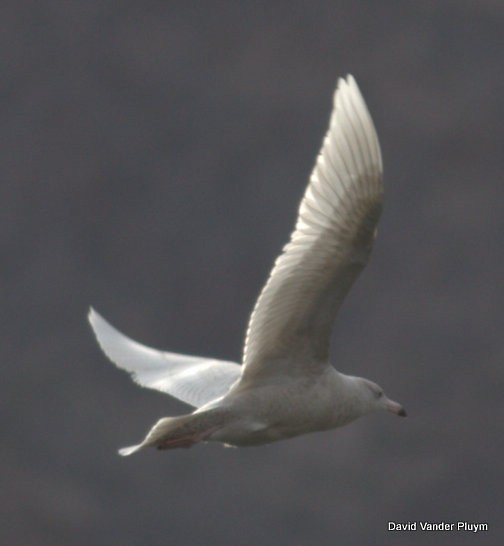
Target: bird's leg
[[186, 441], [183, 431]]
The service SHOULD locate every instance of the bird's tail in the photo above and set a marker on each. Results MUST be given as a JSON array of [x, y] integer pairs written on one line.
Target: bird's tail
[[182, 431], [125, 451]]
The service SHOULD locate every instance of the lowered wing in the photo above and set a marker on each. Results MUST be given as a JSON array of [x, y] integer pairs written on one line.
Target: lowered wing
[[194, 380]]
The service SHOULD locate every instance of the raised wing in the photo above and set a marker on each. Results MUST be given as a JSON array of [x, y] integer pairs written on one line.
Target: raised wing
[[194, 380], [290, 326]]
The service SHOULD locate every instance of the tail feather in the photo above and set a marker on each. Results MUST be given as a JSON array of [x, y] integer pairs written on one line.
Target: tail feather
[[125, 451]]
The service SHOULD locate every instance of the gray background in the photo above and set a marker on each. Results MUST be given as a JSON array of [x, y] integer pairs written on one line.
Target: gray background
[[152, 158]]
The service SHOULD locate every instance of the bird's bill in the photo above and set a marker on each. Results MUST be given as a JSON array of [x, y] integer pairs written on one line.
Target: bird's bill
[[395, 407]]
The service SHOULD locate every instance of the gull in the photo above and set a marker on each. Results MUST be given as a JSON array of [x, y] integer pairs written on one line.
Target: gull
[[285, 385]]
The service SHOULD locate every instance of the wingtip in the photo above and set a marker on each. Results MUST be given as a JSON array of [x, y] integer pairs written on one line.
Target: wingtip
[[350, 79], [345, 80], [98, 324], [346, 86], [96, 321], [92, 314], [347, 83]]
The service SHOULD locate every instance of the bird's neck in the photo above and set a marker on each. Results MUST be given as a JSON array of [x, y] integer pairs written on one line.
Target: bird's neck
[[353, 399]]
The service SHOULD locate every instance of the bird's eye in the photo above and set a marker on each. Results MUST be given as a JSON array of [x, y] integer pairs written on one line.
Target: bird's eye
[[379, 394]]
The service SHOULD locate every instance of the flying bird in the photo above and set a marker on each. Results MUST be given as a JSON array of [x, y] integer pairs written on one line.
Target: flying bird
[[285, 385]]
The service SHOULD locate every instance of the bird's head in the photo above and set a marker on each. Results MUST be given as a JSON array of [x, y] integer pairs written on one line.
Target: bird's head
[[375, 399]]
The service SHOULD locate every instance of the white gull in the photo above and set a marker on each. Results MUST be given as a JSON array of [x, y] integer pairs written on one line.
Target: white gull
[[285, 386]]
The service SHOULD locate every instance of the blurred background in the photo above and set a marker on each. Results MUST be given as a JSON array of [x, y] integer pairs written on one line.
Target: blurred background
[[152, 158]]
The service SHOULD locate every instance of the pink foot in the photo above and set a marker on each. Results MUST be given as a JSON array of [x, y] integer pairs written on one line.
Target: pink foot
[[186, 441]]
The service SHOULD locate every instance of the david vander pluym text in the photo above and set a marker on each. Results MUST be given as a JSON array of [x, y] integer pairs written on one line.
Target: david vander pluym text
[[461, 526]]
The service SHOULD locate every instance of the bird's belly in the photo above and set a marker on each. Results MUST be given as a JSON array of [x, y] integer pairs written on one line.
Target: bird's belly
[[279, 416]]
